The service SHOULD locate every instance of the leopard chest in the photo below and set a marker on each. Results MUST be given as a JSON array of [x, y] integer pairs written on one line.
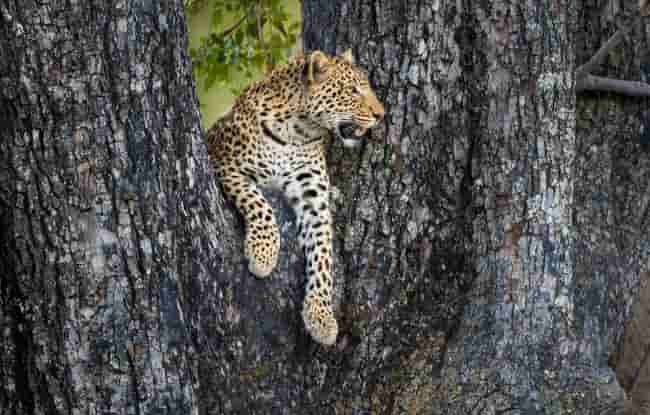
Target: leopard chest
[[289, 143]]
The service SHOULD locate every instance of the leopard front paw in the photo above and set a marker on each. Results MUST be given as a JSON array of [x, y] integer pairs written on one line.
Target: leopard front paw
[[262, 252], [319, 320]]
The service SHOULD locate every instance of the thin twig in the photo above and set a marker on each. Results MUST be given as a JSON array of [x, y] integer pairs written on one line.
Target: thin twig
[[587, 82], [260, 28], [260, 37], [203, 50], [234, 27]]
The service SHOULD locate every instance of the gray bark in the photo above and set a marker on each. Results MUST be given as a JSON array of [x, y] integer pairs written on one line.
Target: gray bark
[[107, 209], [613, 198], [559, 229]]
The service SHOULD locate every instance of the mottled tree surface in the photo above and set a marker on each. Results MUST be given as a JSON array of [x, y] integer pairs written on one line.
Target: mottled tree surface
[[541, 194], [613, 201], [107, 209], [490, 236]]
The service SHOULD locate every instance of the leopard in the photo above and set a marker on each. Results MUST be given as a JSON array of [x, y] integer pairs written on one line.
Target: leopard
[[275, 135]]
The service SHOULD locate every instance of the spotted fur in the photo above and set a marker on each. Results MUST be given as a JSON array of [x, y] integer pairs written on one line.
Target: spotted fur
[[274, 136]]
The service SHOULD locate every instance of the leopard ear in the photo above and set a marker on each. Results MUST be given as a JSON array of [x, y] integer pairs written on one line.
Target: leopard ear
[[347, 56], [317, 67]]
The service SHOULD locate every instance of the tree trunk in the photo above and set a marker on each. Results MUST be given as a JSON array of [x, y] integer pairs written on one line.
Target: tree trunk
[[108, 210], [613, 200], [548, 215]]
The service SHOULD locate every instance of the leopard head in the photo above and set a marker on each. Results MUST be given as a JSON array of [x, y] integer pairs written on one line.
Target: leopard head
[[339, 96]]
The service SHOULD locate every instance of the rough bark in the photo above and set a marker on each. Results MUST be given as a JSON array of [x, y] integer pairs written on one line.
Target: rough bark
[[632, 359], [107, 210], [613, 198], [559, 233], [405, 215]]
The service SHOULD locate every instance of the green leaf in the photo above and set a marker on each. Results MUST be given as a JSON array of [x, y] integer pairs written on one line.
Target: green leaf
[[217, 18], [258, 61], [276, 41], [251, 29], [280, 27], [238, 37], [239, 56], [210, 79]]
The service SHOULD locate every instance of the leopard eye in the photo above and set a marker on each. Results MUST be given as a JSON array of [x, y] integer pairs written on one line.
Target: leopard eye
[[356, 90]]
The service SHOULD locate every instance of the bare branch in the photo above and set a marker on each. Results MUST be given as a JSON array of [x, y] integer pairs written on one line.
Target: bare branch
[[602, 53], [587, 82], [259, 13], [232, 28], [599, 83]]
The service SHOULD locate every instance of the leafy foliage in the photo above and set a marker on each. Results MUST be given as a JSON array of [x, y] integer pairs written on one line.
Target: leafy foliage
[[246, 37]]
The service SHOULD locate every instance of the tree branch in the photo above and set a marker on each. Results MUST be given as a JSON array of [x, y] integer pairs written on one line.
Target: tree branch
[[232, 28], [587, 82], [260, 27], [602, 53], [598, 83]]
